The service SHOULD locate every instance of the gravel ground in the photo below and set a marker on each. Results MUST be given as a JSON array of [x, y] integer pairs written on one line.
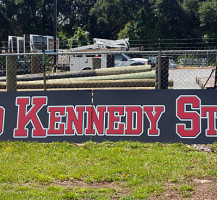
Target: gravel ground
[[186, 78]]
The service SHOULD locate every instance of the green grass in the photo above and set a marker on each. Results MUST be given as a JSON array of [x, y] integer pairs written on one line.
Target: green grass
[[136, 170], [186, 190]]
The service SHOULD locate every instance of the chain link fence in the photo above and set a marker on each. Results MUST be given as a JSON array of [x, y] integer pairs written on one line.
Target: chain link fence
[[161, 69]]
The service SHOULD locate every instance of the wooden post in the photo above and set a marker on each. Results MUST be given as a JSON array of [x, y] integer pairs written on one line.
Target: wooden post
[[110, 60], [164, 62], [96, 63], [11, 73], [36, 64], [44, 72]]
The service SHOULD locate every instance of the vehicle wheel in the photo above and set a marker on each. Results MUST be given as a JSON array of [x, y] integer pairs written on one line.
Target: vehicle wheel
[[86, 68]]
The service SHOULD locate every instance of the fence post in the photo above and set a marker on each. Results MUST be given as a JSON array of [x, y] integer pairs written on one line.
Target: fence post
[[215, 81], [35, 64], [162, 81], [44, 71], [110, 60], [96, 63], [158, 68], [11, 73]]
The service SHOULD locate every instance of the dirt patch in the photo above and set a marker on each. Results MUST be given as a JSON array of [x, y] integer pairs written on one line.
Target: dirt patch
[[202, 147], [120, 191], [78, 183], [203, 189]]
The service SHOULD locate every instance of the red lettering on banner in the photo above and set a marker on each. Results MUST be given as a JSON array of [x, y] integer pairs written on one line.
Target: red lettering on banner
[[109, 120], [115, 126], [210, 112], [24, 116], [55, 127], [154, 114], [134, 119], [191, 116], [96, 120], [74, 120], [2, 119]]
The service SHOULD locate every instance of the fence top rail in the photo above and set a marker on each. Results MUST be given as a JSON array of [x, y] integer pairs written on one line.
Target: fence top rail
[[112, 52], [20, 54]]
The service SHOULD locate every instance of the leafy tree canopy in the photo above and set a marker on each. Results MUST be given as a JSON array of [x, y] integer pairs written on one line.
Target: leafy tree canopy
[[136, 19]]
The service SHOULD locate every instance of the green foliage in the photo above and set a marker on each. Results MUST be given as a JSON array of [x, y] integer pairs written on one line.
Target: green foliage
[[208, 16], [139, 20], [186, 190], [63, 40], [80, 38], [189, 56], [128, 32]]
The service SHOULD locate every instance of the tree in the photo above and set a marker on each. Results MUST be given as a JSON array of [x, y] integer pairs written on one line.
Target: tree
[[112, 16], [208, 18], [63, 40], [29, 16], [74, 14], [145, 22], [4, 24], [129, 31], [136, 19], [192, 25], [169, 19], [80, 38]]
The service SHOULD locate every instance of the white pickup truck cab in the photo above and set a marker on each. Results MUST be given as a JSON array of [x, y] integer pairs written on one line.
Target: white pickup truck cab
[[125, 60]]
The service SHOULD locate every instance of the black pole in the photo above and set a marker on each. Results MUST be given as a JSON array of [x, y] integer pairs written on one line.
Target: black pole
[[159, 64], [215, 86], [55, 33]]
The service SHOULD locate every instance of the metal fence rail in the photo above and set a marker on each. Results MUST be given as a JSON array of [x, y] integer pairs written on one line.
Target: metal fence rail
[[161, 69]]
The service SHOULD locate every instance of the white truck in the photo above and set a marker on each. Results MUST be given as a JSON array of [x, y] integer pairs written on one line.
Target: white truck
[[85, 62], [125, 60], [78, 62], [82, 61]]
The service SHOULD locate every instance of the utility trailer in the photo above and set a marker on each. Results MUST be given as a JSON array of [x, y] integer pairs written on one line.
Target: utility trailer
[[31, 43]]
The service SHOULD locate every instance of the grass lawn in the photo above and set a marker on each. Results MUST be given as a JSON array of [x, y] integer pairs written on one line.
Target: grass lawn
[[121, 170]]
